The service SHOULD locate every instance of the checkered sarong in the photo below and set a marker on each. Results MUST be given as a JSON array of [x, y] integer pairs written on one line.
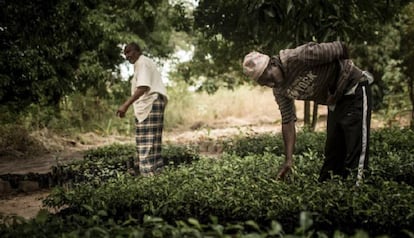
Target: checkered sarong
[[149, 139]]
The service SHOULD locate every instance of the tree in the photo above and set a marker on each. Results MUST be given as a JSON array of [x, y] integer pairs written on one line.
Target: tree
[[229, 29], [407, 52], [49, 49]]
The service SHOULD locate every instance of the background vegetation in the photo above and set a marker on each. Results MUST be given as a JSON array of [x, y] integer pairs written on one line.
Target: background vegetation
[[61, 61], [60, 71]]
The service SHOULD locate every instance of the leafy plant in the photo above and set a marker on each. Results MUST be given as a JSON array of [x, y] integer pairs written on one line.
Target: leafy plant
[[189, 199], [108, 162]]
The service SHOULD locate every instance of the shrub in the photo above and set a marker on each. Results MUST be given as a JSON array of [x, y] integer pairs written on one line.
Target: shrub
[[241, 192], [104, 163], [243, 188], [273, 143]]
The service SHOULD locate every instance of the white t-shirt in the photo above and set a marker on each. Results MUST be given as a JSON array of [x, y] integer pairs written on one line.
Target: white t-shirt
[[146, 74]]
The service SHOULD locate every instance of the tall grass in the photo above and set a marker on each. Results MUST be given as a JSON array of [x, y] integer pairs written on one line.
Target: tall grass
[[82, 113], [186, 110], [244, 105]]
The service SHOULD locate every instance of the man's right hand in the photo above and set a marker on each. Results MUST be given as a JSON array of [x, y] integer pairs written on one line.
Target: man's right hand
[[285, 170], [289, 139], [120, 114], [122, 111]]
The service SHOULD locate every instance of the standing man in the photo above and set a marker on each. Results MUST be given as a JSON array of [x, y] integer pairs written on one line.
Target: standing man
[[324, 74], [149, 98]]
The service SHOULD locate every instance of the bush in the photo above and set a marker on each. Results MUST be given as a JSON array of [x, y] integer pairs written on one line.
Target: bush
[[237, 189], [107, 162], [273, 143], [241, 192]]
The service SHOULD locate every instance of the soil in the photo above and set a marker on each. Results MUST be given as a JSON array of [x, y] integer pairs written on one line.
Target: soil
[[27, 205]]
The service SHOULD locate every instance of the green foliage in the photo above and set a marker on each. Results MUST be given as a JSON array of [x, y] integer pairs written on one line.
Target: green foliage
[[79, 113], [382, 57], [110, 162], [273, 143], [58, 47], [227, 30], [391, 147], [254, 144], [175, 155], [407, 52], [172, 154], [240, 192], [110, 151], [395, 153], [407, 39], [154, 227], [43, 49], [392, 140], [236, 189]]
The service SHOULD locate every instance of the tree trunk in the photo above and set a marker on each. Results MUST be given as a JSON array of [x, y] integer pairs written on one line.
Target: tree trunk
[[306, 116], [411, 91], [314, 116]]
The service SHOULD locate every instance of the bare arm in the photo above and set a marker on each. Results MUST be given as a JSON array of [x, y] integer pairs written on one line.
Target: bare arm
[[137, 94], [289, 139]]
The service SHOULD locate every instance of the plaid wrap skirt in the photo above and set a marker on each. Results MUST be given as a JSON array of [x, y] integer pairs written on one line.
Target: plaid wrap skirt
[[149, 140]]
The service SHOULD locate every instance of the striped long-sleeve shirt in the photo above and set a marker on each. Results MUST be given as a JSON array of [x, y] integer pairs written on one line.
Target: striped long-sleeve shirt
[[316, 72]]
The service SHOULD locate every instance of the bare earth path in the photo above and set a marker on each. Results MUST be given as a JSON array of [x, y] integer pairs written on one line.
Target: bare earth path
[[26, 205]]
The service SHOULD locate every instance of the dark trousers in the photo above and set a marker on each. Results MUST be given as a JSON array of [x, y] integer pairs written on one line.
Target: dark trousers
[[348, 129]]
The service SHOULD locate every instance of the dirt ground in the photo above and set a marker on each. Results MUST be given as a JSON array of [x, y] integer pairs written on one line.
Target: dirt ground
[[27, 205]]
